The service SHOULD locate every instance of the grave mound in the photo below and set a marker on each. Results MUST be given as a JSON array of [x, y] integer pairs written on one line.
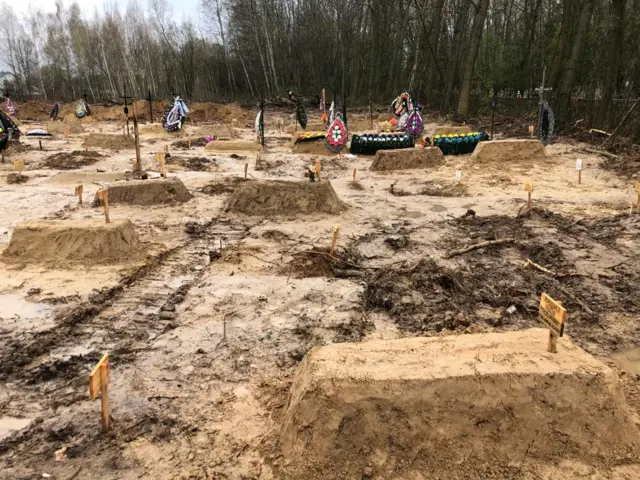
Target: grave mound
[[74, 241], [278, 197], [157, 191], [232, 146], [407, 158], [509, 151], [468, 406], [109, 142], [452, 130], [315, 147]]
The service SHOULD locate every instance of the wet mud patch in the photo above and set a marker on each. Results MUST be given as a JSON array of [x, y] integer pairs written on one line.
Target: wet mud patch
[[222, 186], [196, 164], [437, 190], [72, 160]]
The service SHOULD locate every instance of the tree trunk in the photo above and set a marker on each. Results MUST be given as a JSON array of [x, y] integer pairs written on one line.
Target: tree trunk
[[474, 46], [616, 36], [452, 71], [563, 43], [568, 79], [433, 49]]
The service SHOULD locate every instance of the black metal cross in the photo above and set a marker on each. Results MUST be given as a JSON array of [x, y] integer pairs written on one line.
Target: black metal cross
[[149, 99], [126, 106]]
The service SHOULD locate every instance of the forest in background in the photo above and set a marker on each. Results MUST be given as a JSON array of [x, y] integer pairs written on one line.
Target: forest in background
[[453, 55]]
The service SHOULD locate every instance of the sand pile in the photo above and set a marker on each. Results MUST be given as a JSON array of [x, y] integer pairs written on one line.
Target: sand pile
[[72, 160], [159, 191], [74, 241], [452, 130], [316, 147], [510, 151], [219, 132], [216, 112], [407, 158], [468, 406], [110, 142], [277, 197], [232, 146], [58, 127]]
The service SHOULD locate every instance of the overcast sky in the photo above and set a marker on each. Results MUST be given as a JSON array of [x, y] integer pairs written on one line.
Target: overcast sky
[[181, 8]]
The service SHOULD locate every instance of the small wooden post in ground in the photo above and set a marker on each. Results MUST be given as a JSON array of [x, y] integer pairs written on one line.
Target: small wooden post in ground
[[104, 196], [554, 315], [18, 166], [532, 129], [138, 165], [189, 142], [579, 168], [66, 132], [166, 148], [528, 187], [334, 240], [318, 168], [40, 144], [99, 382], [160, 158], [638, 193], [246, 168], [355, 170], [78, 193]]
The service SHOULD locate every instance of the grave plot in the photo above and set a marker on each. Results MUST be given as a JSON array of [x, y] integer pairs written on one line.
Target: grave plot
[[159, 191], [509, 152], [407, 158]]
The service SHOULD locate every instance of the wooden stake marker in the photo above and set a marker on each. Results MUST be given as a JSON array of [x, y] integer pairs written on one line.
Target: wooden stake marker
[[78, 193], [334, 240], [637, 187], [18, 165], [579, 168], [246, 168], [528, 187], [66, 132], [160, 158], [554, 315], [166, 149], [99, 382], [318, 168], [355, 170], [189, 142], [104, 196], [532, 129]]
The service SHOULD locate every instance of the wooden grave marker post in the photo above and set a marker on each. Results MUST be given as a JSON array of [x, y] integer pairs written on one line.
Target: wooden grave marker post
[[136, 135], [18, 166], [246, 168], [637, 187], [579, 168], [318, 168], [528, 187], [355, 170], [66, 132], [78, 193], [99, 382], [553, 315], [104, 196], [334, 240], [160, 158]]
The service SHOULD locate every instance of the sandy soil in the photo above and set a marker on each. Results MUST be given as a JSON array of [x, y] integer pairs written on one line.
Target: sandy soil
[[206, 334]]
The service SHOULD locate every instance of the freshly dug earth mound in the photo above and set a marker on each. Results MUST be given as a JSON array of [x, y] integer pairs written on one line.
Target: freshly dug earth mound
[[110, 142], [509, 151], [160, 191], [72, 160], [452, 130], [467, 406], [232, 146], [407, 158], [197, 164], [58, 127], [219, 132], [277, 197], [317, 147], [74, 241], [311, 127], [15, 177]]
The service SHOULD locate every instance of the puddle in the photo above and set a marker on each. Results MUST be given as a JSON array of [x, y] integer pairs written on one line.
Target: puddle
[[16, 306], [628, 360], [8, 425]]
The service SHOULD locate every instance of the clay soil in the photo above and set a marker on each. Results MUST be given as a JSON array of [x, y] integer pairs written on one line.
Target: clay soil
[[209, 317]]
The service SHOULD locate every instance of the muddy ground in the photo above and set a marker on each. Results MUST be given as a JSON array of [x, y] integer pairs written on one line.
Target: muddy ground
[[204, 334]]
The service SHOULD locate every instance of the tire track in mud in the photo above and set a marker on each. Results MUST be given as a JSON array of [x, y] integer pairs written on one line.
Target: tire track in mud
[[134, 312]]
